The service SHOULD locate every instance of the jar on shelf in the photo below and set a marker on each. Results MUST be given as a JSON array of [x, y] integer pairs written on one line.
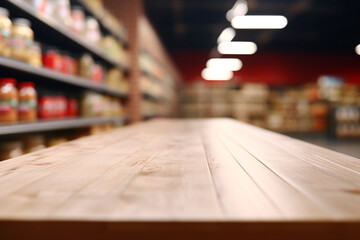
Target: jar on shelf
[[85, 66], [21, 40], [45, 7], [52, 59], [72, 107], [46, 107], [92, 30], [78, 20], [27, 102], [97, 73], [5, 32], [10, 149], [35, 56], [8, 100], [62, 12]]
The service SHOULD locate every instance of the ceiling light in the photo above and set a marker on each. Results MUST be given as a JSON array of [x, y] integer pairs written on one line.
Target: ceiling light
[[216, 74], [226, 35], [259, 22], [245, 48], [357, 49], [230, 64], [239, 9]]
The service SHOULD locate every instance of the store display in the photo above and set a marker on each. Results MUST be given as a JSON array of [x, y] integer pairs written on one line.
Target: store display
[[97, 105], [27, 102], [21, 40], [8, 100], [5, 32]]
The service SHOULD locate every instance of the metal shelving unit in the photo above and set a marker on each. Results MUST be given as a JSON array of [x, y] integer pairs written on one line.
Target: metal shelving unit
[[15, 65], [50, 31], [59, 124], [57, 31]]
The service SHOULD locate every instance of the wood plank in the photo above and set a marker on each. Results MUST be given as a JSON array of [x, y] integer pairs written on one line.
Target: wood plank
[[182, 179], [176, 185], [302, 175], [240, 196]]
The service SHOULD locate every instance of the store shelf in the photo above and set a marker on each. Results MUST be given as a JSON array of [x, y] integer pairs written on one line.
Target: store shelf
[[151, 75], [154, 98], [104, 26], [57, 76], [57, 124], [54, 29]]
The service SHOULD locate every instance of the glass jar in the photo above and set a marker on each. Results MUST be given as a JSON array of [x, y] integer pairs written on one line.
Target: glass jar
[[35, 55], [86, 63], [27, 102], [5, 32], [97, 73], [52, 59], [21, 40], [8, 100], [62, 12], [93, 33], [78, 19], [10, 150]]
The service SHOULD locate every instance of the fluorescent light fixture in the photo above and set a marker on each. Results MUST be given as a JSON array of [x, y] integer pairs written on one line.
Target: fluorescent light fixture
[[230, 64], [216, 74], [246, 48], [357, 49], [259, 22], [226, 35], [239, 9]]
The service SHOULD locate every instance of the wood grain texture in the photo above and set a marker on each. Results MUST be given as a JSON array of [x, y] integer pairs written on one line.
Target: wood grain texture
[[210, 179]]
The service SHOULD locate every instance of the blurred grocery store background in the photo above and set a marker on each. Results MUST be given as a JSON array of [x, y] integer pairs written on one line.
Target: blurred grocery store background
[[72, 68]]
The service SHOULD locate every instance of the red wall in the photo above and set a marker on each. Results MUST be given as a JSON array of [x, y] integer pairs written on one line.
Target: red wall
[[277, 68]]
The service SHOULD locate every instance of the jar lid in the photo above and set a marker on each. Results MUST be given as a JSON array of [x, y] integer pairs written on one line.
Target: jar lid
[[4, 12], [22, 22], [92, 23], [26, 84], [7, 81]]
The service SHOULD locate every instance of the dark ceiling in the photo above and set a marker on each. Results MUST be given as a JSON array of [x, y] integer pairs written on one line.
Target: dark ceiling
[[313, 25]]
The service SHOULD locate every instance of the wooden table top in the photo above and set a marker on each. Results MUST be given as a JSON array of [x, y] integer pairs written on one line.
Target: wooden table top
[[204, 178]]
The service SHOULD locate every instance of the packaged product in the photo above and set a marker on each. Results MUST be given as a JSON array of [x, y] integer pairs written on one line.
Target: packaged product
[[8, 100], [27, 102], [21, 39], [5, 32]]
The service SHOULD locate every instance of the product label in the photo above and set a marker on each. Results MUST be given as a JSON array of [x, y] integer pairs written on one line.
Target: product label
[[27, 105], [4, 34], [8, 105], [18, 42]]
